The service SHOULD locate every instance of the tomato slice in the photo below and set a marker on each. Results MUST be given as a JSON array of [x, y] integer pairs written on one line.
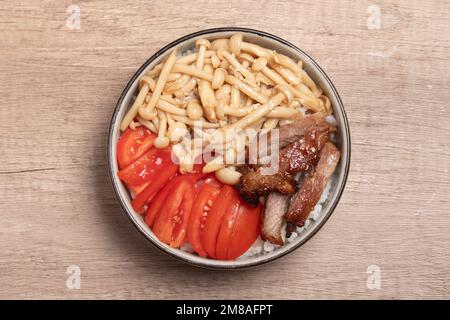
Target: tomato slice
[[146, 167], [208, 178], [171, 224], [207, 193], [227, 227], [149, 192], [157, 202], [214, 220], [132, 144], [137, 189], [245, 231]]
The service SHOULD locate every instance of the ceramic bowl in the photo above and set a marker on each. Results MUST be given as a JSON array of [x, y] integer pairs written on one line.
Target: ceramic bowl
[[316, 73]]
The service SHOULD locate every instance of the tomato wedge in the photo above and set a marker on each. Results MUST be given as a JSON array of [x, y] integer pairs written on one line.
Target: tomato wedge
[[245, 231], [149, 192], [137, 189], [207, 193], [226, 229], [208, 178], [132, 144], [145, 168], [214, 220], [157, 202], [171, 223]]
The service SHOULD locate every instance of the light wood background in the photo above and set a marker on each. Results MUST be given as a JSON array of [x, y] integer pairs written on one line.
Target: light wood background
[[59, 87]]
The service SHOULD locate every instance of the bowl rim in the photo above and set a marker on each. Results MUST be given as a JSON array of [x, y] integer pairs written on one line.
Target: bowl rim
[[161, 51]]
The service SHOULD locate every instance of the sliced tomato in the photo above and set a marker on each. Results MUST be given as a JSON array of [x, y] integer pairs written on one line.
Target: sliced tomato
[[157, 202], [206, 195], [214, 220], [171, 223], [145, 168], [149, 192], [195, 176], [132, 144], [137, 189], [227, 227], [208, 178], [182, 216], [245, 231]]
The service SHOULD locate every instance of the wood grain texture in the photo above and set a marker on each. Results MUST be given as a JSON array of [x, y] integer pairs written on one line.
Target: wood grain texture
[[59, 87]]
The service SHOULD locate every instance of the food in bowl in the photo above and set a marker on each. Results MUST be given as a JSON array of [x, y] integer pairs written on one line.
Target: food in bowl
[[227, 149]]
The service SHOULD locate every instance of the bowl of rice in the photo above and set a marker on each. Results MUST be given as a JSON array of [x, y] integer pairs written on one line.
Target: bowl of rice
[[261, 251]]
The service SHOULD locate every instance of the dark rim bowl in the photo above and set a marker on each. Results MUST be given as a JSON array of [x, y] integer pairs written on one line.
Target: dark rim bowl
[[316, 73]]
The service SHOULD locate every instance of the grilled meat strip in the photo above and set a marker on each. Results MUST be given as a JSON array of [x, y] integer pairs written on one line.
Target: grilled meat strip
[[253, 184], [306, 198], [309, 135], [274, 212], [294, 131]]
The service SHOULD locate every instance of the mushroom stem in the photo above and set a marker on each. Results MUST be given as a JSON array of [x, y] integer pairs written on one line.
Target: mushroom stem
[[162, 141], [246, 89], [202, 45], [207, 96], [192, 71], [260, 112], [311, 103], [135, 107], [233, 61], [167, 67]]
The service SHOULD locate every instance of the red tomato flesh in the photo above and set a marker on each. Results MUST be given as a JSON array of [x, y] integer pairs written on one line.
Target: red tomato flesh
[[208, 178], [245, 231], [207, 193], [157, 202], [145, 168], [132, 144], [171, 223], [157, 184], [214, 220], [137, 189], [227, 227]]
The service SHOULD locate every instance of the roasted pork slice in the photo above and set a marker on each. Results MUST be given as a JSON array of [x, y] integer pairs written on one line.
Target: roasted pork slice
[[296, 157], [274, 212], [253, 185], [292, 132], [312, 187], [300, 155]]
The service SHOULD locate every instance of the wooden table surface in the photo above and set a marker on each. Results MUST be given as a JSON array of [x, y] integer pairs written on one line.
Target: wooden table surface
[[59, 85]]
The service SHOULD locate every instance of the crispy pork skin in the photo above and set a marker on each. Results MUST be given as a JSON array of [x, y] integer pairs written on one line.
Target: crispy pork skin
[[312, 187]]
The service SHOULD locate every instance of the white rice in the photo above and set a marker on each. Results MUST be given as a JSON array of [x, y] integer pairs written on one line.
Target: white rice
[[331, 120]]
